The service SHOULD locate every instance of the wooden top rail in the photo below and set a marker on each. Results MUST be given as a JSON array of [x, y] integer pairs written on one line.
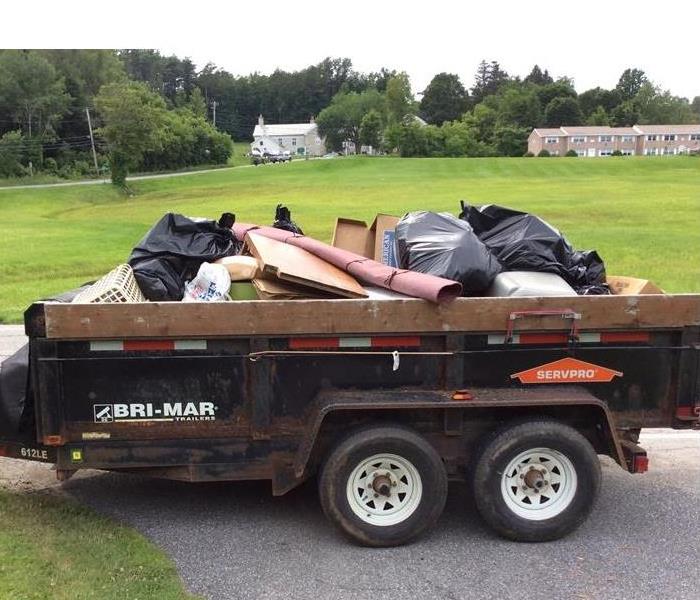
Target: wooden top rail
[[328, 317]]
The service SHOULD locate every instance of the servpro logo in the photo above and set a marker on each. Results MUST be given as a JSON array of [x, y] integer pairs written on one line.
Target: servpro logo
[[167, 411], [567, 370]]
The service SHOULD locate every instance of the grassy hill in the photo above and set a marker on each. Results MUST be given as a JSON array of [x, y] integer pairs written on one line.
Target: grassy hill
[[641, 214]]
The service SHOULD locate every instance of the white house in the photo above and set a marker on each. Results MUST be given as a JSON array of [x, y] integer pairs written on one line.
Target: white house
[[296, 138]]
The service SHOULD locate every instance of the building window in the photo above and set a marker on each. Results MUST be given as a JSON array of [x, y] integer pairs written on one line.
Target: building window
[[651, 151], [669, 137], [294, 141], [605, 138], [627, 152], [578, 139], [580, 153], [551, 140], [651, 138], [668, 151], [626, 139], [695, 137], [555, 153], [279, 141], [605, 153]]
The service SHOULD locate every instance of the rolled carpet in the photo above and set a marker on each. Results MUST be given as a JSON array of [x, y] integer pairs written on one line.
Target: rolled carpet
[[411, 283]]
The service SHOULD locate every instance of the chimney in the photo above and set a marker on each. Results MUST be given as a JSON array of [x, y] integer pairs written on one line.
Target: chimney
[[261, 121], [311, 120]]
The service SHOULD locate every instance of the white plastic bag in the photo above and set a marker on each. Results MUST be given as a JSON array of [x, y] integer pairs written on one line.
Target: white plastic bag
[[211, 284]]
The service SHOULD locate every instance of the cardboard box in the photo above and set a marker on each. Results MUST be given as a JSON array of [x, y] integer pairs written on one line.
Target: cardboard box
[[376, 241], [353, 236], [384, 234], [631, 286]]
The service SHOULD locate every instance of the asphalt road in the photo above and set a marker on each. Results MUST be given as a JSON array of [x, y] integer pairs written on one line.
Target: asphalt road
[[107, 181], [234, 540]]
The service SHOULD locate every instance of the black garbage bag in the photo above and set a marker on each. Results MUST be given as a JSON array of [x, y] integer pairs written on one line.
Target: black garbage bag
[[14, 383], [173, 250], [524, 242], [283, 220], [442, 245]]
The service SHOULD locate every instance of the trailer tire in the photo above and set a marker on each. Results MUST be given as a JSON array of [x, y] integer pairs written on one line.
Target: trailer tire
[[383, 486], [536, 481]]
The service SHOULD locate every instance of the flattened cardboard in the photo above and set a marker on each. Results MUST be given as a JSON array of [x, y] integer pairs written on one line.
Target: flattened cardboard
[[631, 286], [295, 264], [275, 289]]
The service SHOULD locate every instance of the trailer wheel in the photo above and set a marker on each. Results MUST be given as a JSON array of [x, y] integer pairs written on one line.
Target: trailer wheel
[[383, 486], [536, 481]]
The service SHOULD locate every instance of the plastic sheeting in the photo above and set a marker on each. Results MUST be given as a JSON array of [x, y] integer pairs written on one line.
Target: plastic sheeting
[[525, 242], [173, 250], [417, 285], [442, 245], [14, 378]]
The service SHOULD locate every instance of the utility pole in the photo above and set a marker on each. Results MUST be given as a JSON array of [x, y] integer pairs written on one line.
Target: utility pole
[[213, 105], [92, 141]]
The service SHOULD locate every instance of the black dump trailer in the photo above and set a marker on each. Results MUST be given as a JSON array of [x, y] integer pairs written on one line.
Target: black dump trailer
[[385, 401]]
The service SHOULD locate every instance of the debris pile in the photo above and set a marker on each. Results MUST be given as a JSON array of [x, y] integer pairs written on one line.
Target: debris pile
[[485, 251]]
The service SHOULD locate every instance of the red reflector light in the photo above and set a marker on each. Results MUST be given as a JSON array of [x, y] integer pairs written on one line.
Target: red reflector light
[[640, 464]]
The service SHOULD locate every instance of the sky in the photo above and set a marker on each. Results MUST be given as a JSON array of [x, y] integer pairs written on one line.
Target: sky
[[591, 42]]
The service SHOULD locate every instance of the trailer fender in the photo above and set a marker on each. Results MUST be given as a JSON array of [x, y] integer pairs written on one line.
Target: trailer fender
[[559, 402]]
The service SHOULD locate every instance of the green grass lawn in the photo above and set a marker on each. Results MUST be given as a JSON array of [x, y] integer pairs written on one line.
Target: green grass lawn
[[641, 214], [54, 549]]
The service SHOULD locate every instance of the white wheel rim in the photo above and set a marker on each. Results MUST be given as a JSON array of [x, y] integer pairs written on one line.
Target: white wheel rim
[[401, 483], [539, 484]]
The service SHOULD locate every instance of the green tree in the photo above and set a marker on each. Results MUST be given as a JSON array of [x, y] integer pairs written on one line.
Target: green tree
[[695, 106], [341, 120], [598, 117], [511, 140], [482, 119], [488, 79], [538, 77], [562, 111], [134, 123], [591, 99], [34, 91], [630, 83], [371, 129], [411, 140], [561, 88], [445, 99], [11, 154], [399, 98], [519, 107], [661, 107], [196, 104], [625, 115]]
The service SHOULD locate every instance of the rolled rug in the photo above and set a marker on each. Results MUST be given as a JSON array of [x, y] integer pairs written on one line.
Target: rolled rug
[[418, 285]]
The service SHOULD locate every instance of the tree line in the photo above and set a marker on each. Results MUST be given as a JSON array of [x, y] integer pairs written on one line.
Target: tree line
[[153, 112], [495, 116]]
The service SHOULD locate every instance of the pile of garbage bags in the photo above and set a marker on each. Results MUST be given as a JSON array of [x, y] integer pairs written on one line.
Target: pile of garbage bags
[[435, 256], [491, 239]]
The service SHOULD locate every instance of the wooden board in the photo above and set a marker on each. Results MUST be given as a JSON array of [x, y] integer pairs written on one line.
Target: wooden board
[[331, 317], [294, 264]]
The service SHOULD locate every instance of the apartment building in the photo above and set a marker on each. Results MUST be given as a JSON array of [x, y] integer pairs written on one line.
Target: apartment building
[[648, 140]]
